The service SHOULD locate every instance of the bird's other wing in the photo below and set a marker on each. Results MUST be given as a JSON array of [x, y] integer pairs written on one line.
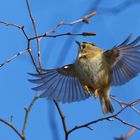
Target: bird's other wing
[[124, 60], [61, 84]]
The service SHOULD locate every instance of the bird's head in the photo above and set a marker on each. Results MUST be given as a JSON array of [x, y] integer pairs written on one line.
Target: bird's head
[[87, 50]]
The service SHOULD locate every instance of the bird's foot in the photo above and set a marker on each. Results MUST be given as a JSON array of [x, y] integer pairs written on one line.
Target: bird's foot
[[87, 90], [96, 93]]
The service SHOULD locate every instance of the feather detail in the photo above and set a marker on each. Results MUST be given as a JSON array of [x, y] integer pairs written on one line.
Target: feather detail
[[124, 60], [60, 84]]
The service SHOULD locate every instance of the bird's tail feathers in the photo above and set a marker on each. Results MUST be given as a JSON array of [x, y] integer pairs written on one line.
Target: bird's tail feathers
[[105, 103]]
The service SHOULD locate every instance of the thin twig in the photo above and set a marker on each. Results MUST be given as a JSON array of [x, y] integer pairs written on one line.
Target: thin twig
[[13, 57], [62, 119], [11, 24], [108, 118], [13, 128], [27, 110], [64, 34], [136, 110], [123, 104], [56, 27], [35, 98], [31, 56], [25, 34], [130, 133], [35, 31], [126, 123], [62, 23], [83, 19], [21, 27], [95, 121]]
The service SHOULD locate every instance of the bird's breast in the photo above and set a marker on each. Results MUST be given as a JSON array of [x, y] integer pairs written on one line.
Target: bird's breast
[[94, 71]]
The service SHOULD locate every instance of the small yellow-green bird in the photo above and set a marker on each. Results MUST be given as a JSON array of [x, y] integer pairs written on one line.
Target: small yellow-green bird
[[93, 71]]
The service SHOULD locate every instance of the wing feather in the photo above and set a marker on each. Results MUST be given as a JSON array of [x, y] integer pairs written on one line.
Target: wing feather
[[62, 84], [124, 60]]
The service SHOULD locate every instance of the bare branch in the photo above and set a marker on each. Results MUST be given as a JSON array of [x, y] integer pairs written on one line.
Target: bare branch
[[64, 34], [62, 119], [21, 27], [21, 135], [31, 56], [13, 57], [108, 118], [27, 110], [126, 137], [136, 110], [130, 133], [35, 31], [56, 27], [25, 34], [123, 104], [13, 128], [84, 19], [126, 123], [62, 23], [11, 24]]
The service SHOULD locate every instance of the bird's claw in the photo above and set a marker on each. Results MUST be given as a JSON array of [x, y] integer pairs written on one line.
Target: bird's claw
[[87, 90], [96, 93]]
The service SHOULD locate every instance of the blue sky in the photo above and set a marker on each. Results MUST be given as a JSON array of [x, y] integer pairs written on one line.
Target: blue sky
[[16, 93]]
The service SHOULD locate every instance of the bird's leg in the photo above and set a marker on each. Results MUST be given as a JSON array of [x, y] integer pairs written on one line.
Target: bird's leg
[[87, 89], [96, 94]]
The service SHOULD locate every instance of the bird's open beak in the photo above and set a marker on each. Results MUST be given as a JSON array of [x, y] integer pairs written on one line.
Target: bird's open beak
[[79, 44]]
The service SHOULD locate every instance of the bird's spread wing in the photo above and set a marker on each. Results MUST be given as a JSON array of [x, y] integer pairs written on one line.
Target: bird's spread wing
[[60, 84], [125, 61]]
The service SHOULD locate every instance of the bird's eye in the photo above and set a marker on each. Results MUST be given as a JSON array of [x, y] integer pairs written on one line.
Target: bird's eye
[[83, 46], [84, 56]]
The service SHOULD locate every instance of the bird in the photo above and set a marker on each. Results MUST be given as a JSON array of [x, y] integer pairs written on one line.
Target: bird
[[93, 73]]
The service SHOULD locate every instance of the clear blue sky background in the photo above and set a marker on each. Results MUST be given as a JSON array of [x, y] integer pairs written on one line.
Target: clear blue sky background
[[16, 91]]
